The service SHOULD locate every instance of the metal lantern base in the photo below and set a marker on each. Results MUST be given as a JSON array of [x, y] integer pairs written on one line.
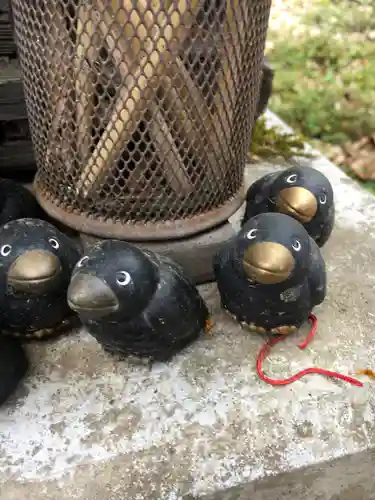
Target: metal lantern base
[[171, 230], [194, 254]]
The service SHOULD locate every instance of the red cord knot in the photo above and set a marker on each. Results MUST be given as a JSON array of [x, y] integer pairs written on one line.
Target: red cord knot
[[308, 371]]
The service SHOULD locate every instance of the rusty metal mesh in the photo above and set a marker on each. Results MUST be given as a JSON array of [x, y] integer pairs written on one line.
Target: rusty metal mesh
[[141, 110]]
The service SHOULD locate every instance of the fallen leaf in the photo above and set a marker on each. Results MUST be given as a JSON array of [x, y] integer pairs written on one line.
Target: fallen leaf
[[359, 157], [364, 167], [366, 371]]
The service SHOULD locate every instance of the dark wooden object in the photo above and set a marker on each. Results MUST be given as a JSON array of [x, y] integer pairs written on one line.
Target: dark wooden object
[[16, 150], [266, 86], [7, 43]]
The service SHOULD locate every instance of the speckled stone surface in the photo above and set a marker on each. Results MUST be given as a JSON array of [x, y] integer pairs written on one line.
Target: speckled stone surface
[[85, 426]]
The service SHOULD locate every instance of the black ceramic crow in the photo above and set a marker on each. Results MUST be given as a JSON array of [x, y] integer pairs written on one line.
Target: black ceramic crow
[[271, 275], [36, 261], [301, 192], [135, 302], [17, 202], [13, 366]]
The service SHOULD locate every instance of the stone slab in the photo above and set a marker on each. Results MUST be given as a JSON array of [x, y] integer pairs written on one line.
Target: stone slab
[[85, 426], [346, 478]]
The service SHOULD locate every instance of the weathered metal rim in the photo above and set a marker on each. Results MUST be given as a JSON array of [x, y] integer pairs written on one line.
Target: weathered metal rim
[[149, 231]]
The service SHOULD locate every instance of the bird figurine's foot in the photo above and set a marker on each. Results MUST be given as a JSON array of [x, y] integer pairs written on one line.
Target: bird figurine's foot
[[208, 326], [252, 327], [64, 328], [284, 330], [246, 326]]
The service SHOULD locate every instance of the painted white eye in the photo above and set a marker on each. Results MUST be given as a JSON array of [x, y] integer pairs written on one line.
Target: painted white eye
[[83, 261], [252, 234], [54, 243], [323, 199], [291, 179], [5, 250], [296, 245], [123, 278]]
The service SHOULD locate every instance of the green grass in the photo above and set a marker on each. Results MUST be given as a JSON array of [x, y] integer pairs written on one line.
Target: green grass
[[325, 78], [270, 144]]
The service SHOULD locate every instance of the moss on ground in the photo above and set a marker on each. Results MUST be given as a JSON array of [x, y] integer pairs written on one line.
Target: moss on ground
[[270, 144]]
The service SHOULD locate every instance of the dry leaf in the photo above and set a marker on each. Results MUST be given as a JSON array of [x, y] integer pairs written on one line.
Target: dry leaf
[[364, 166], [359, 156]]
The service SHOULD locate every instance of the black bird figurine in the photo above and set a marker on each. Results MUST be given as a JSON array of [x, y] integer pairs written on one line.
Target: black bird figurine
[[136, 302], [13, 366], [303, 193], [271, 275], [36, 262], [17, 202]]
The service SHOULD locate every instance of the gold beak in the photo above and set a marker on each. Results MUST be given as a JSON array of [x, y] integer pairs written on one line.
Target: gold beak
[[268, 263], [91, 296], [34, 271], [297, 202]]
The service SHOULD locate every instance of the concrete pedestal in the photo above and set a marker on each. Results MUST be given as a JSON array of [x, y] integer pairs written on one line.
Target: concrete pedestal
[[86, 426], [194, 254]]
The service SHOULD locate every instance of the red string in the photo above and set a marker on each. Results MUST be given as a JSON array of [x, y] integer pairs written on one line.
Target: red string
[[267, 347]]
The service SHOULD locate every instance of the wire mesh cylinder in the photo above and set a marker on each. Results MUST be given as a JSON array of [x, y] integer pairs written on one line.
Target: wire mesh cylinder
[[141, 110]]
